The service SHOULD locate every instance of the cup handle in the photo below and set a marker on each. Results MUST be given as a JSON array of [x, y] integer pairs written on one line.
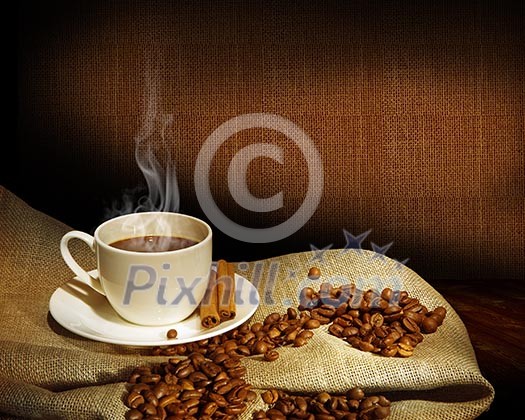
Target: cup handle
[[82, 274]]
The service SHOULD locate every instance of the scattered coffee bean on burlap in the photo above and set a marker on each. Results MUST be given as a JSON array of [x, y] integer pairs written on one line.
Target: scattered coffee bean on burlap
[[352, 405], [261, 338], [314, 273], [390, 323]]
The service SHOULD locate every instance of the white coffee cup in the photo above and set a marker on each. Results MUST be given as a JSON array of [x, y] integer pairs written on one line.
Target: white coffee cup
[[148, 288]]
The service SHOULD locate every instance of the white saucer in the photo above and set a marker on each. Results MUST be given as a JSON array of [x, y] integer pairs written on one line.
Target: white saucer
[[81, 310]]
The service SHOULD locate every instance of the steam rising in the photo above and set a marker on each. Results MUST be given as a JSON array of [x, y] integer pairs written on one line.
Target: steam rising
[[163, 191], [151, 141]]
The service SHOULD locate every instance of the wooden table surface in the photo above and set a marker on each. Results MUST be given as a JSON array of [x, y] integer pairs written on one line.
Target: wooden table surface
[[494, 314]]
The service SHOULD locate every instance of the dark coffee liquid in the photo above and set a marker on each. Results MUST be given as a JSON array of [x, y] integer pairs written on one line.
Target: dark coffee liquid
[[153, 243]]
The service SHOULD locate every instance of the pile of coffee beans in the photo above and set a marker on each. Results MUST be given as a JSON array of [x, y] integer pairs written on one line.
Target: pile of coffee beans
[[191, 388], [387, 322], [289, 329], [350, 406], [208, 383], [204, 379]]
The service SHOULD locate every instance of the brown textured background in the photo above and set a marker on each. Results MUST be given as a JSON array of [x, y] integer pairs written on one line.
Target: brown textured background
[[417, 109]]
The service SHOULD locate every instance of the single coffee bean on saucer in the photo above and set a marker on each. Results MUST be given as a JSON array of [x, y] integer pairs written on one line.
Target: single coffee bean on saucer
[[171, 334]]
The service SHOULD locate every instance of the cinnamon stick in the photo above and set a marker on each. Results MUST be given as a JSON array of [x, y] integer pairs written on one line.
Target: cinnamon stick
[[231, 274], [226, 290], [209, 306]]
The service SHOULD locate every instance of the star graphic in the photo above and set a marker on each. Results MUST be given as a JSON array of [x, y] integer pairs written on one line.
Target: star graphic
[[380, 250], [318, 253], [354, 242], [400, 264]]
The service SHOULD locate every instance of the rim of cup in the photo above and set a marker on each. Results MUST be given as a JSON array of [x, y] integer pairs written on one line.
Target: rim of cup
[[199, 244]]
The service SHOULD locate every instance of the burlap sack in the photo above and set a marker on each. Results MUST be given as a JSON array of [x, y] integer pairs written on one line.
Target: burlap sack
[[48, 372]]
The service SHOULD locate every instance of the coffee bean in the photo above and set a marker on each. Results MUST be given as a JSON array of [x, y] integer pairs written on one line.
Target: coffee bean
[[237, 372], [314, 273], [364, 346], [160, 390], [134, 399], [327, 310], [291, 313], [134, 414], [435, 317], [312, 324], [291, 335], [377, 319], [220, 358], [273, 333], [149, 379], [404, 350], [260, 347], [272, 318], [408, 340], [284, 406], [184, 372], [306, 334], [270, 396], [410, 325], [387, 294], [218, 399], [251, 396], [315, 314], [259, 415], [392, 309], [441, 311], [189, 394], [230, 363], [274, 414], [185, 384], [381, 412], [403, 297], [365, 329], [271, 355], [168, 399], [151, 398], [235, 409], [389, 351], [148, 409], [139, 388], [429, 325], [301, 403], [209, 409], [415, 316], [355, 394], [171, 334], [323, 397], [336, 329], [188, 404]]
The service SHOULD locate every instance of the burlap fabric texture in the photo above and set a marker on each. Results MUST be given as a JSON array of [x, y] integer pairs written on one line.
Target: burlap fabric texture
[[48, 372]]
